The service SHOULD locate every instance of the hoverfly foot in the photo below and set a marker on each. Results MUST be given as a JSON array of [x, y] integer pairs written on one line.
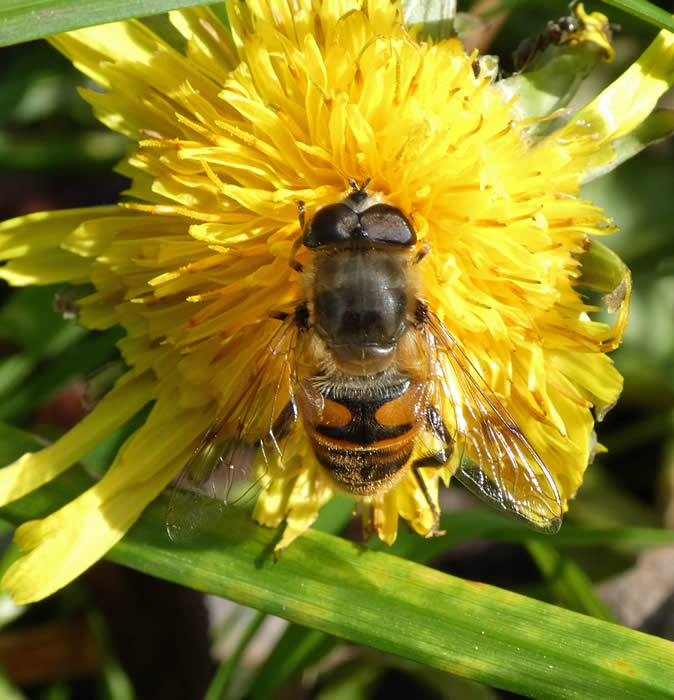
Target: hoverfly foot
[[435, 531]]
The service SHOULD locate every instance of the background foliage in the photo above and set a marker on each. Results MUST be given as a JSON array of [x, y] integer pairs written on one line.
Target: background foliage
[[118, 633]]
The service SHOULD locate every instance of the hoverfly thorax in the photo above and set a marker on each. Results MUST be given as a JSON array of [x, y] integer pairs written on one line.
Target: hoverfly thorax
[[360, 281]]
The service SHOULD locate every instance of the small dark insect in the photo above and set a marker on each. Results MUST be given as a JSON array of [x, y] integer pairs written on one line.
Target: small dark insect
[[560, 32]]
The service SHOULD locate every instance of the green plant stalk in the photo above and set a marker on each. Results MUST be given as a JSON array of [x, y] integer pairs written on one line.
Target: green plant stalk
[[8, 691], [221, 680], [568, 581], [297, 649]]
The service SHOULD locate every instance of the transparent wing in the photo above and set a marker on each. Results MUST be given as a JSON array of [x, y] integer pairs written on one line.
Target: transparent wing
[[224, 459], [497, 462]]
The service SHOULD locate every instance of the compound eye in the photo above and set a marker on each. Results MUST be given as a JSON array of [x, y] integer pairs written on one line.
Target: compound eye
[[385, 224], [331, 225], [569, 24]]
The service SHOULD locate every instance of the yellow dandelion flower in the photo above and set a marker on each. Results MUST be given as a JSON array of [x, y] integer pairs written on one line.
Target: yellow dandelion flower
[[232, 130]]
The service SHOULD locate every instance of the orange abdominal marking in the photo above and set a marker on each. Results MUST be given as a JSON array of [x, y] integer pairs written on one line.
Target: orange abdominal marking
[[364, 429], [364, 439], [401, 410], [335, 414]]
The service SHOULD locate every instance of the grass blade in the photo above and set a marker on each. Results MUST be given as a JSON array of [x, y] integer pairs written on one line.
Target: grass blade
[[646, 11], [23, 20], [222, 679], [569, 583]]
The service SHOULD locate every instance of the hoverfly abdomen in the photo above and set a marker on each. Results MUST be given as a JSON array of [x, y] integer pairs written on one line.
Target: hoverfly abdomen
[[364, 472], [363, 432]]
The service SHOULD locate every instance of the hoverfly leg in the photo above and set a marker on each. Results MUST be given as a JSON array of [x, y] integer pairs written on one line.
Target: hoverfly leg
[[367, 519], [423, 251], [431, 461], [278, 315], [439, 429], [295, 264], [440, 458], [283, 425]]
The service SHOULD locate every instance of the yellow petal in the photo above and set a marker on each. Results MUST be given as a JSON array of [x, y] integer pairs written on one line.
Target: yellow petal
[[63, 545], [56, 266], [139, 70], [307, 503], [35, 233], [36, 468], [209, 45], [595, 28]]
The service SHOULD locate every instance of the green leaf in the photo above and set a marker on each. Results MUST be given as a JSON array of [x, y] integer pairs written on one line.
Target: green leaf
[[657, 126], [646, 11], [79, 359], [8, 691], [297, 648], [572, 587], [220, 683], [23, 20], [472, 630]]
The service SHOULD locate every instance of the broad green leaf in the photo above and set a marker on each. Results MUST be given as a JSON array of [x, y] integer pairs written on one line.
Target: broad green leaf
[[472, 630], [299, 647]]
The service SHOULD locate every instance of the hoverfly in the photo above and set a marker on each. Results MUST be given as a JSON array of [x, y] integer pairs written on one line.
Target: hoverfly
[[366, 369]]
